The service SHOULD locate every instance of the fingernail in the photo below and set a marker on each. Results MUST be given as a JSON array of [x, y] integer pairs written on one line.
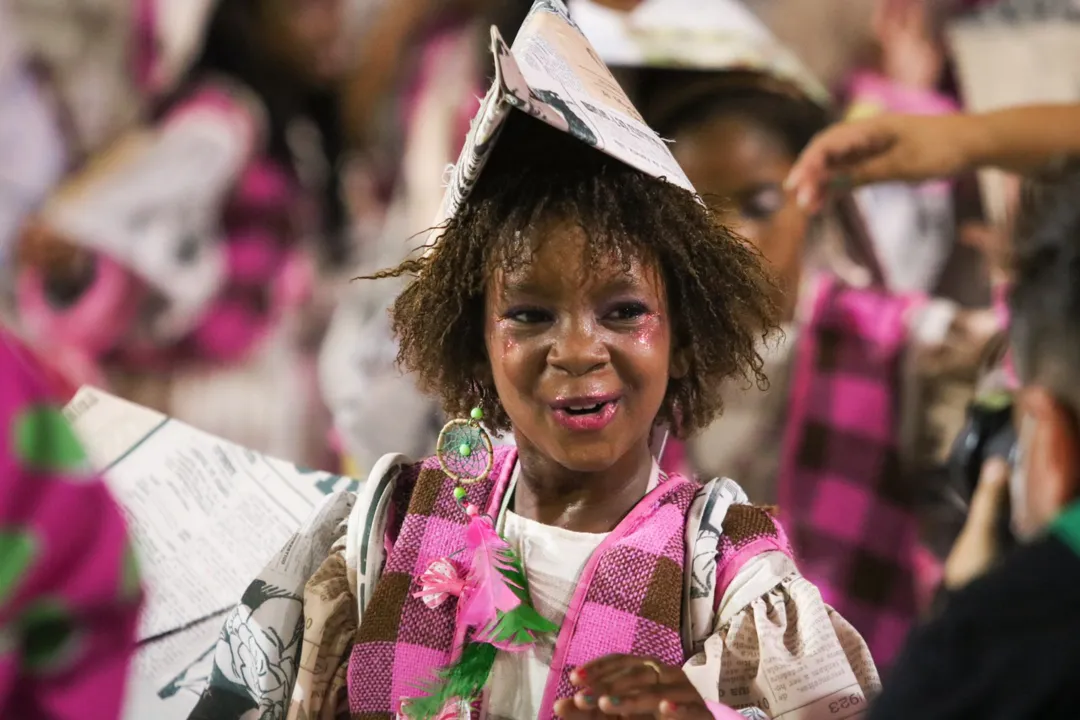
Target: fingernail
[[614, 700], [802, 199]]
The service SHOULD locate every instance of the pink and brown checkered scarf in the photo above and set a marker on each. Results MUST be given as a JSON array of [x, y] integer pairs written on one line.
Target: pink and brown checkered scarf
[[625, 602]]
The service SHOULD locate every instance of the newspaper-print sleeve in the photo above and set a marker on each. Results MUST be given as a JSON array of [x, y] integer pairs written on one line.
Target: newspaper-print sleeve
[[280, 648], [778, 650]]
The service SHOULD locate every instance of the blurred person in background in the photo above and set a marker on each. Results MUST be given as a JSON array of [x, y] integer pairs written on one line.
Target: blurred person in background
[[442, 68], [835, 438], [1004, 646], [69, 585], [178, 259], [31, 143], [911, 227]]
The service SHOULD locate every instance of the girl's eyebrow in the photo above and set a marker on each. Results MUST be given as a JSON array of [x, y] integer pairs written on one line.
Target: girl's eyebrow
[[624, 282]]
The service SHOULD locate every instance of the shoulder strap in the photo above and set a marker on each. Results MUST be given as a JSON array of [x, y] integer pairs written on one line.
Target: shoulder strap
[[703, 533], [365, 547]]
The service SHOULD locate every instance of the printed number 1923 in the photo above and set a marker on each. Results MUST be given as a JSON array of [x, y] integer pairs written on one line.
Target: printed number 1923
[[845, 703]]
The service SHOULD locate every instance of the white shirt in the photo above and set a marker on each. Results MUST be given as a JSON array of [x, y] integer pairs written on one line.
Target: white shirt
[[553, 559]]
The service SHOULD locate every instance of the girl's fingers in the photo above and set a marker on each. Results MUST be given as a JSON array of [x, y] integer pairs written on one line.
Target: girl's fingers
[[612, 667], [692, 711], [648, 700], [569, 710], [622, 681]]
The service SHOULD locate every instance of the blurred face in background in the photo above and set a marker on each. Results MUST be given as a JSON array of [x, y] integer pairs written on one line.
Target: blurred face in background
[[743, 166], [312, 38]]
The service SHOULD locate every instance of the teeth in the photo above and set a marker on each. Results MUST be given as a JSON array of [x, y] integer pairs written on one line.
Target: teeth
[[584, 408]]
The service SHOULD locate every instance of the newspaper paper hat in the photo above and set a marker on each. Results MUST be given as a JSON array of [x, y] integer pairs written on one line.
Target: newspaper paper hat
[[554, 74], [706, 35]]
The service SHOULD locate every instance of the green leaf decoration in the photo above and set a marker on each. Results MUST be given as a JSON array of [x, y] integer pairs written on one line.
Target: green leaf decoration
[[520, 626], [463, 680], [18, 550], [44, 441], [523, 624]]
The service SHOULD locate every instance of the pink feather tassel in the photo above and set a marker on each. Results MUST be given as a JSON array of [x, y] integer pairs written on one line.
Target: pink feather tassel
[[487, 591]]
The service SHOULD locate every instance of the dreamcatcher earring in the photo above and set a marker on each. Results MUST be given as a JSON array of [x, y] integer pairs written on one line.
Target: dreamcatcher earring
[[464, 451], [487, 578]]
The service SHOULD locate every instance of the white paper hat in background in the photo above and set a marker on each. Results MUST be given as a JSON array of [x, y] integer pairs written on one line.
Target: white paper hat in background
[[718, 35], [179, 31], [1014, 53], [554, 74]]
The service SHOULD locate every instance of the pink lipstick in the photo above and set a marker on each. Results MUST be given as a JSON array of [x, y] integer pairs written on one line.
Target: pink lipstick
[[586, 414]]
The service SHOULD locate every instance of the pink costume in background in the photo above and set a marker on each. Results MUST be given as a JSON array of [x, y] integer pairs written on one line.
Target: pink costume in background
[[848, 506], [257, 286], [195, 235], [69, 587]]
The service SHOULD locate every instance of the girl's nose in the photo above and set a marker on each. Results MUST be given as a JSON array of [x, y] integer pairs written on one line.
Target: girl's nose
[[578, 348]]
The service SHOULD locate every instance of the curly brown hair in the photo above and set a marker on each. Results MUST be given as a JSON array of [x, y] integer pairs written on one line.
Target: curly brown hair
[[719, 294]]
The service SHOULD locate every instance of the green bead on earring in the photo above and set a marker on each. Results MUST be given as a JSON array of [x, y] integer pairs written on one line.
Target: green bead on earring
[[477, 414]]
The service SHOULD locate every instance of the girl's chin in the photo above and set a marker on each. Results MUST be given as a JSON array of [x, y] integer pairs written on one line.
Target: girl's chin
[[585, 456]]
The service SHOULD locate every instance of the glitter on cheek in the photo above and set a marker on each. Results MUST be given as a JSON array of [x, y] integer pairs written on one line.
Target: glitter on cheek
[[652, 333]]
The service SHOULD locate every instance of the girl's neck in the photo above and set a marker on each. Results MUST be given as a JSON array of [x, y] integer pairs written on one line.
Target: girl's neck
[[592, 502]]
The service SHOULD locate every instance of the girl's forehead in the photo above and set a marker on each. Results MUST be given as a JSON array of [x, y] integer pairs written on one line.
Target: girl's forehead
[[564, 246], [571, 267]]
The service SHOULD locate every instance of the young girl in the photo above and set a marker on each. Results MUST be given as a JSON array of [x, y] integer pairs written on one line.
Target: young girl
[[174, 257], [69, 589], [576, 302]]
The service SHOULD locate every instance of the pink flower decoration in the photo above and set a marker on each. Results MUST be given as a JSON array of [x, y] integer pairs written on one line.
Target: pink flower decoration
[[439, 582]]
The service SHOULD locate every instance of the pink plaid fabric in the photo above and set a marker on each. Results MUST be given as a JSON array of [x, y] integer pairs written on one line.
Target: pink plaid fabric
[[748, 531], [624, 603], [851, 515], [401, 641]]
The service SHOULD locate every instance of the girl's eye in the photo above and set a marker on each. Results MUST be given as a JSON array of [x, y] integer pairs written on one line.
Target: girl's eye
[[628, 311], [762, 203], [528, 316]]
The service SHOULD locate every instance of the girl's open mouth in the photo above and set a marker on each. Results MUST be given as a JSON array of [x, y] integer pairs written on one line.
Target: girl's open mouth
[[586, 416]]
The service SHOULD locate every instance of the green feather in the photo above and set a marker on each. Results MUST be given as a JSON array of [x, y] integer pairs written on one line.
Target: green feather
[[463, 680], [521, 626]]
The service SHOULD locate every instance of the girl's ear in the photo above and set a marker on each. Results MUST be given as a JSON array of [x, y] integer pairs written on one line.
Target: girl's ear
[[680, 364], [482, 371]]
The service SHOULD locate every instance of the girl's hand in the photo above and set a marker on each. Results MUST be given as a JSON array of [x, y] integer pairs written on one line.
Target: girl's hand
[[885, 148], [628, 686]]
